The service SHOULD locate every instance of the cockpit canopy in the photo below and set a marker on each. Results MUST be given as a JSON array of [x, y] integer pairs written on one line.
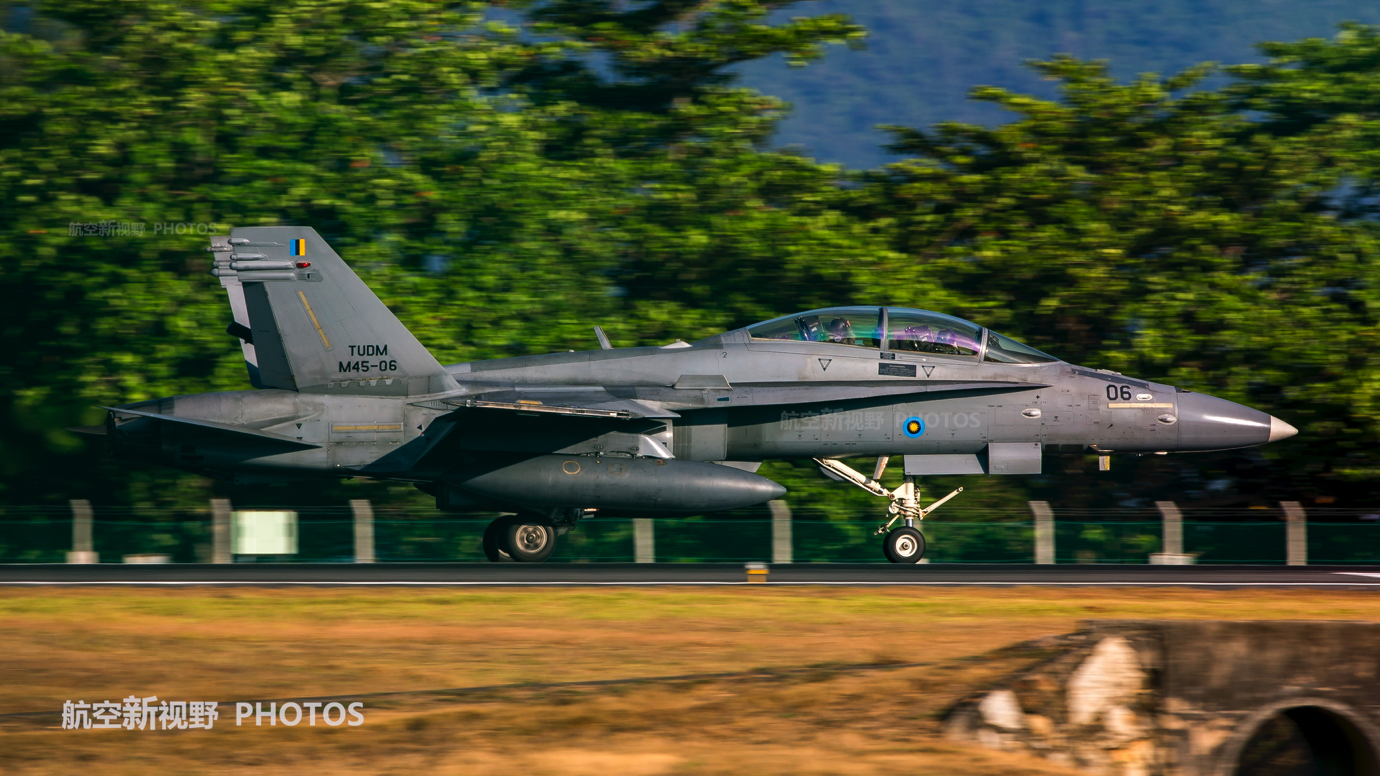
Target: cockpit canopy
[[902, 329]]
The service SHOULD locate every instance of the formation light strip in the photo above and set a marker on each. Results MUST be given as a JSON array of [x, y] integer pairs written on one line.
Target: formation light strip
[[314, 322], [1134, 405]]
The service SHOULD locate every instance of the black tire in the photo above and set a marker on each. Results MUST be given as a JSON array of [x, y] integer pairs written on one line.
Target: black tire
[[904, 545], [495, 540], [529, 538]]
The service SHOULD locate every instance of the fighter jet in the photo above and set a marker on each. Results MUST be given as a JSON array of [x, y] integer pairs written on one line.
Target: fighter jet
[[343, 389]]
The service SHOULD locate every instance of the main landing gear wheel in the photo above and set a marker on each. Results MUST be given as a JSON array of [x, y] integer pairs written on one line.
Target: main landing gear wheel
[[529, 538], [495, 540], [904, 545]]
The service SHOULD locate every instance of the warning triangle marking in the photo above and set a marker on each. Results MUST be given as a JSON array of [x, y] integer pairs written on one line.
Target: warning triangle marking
[[927, 369], [824, 363]]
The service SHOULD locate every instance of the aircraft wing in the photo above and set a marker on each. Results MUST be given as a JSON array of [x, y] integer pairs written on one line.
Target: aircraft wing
[[772, 394], [567, 401], [550, 419], [229, 428], [803, 393], [631, 403]]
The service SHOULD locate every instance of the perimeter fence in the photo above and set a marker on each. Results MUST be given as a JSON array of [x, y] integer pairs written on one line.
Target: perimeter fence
[[327, 534]]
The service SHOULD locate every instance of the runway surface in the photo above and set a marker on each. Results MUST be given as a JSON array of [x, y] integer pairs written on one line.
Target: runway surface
[[632, 574]]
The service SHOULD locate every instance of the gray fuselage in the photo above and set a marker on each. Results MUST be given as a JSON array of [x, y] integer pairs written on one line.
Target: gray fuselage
[[726, 398]]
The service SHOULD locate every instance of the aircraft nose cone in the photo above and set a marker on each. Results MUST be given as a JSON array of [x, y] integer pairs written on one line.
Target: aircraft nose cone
[[1280, 430], [1209, 423]]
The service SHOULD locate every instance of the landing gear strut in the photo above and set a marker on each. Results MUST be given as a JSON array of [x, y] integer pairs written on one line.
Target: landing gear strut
[[904, 544]]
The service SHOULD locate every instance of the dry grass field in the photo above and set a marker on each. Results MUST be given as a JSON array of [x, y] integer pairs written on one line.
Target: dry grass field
[[797, 704]]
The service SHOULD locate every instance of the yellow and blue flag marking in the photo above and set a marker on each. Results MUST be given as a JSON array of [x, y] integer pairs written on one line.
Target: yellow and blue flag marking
[[299, 247]]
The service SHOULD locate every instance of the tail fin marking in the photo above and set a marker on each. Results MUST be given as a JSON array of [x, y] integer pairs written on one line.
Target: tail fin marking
[[319, 328]]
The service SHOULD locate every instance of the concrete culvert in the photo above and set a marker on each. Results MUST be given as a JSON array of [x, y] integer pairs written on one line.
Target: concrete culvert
[[1308, 741], [1191, 698]]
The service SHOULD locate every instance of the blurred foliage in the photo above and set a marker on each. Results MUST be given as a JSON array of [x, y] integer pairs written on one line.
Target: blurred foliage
[[1190, 236], [507, 176]]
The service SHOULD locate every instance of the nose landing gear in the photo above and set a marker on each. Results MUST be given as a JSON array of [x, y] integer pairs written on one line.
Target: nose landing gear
[[905, 544]]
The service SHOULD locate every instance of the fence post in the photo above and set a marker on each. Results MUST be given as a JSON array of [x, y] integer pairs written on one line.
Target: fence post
[[220, 531], [1044, 532], [1296, 533], [364, 530], [644, 542], [1172, 550], [82, 549], [781, 545]]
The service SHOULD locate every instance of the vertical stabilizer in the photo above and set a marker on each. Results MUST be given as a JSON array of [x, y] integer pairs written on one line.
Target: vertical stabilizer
[[310, 324]]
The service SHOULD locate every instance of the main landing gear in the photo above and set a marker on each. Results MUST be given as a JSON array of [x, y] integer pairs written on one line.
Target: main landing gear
[[528, 537], [904, 544]]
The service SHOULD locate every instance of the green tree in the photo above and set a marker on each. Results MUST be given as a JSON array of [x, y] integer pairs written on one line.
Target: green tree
[[1162, 231], [501, 189]]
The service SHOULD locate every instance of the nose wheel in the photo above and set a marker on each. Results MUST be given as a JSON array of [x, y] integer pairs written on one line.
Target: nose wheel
[[904, 545]]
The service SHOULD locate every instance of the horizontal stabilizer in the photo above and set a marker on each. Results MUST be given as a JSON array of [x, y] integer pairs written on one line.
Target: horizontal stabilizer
[[88, 430], [238, 329], [217, 426]]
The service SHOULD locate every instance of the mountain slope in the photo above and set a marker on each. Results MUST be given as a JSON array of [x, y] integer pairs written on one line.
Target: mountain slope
[[922, 57]]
